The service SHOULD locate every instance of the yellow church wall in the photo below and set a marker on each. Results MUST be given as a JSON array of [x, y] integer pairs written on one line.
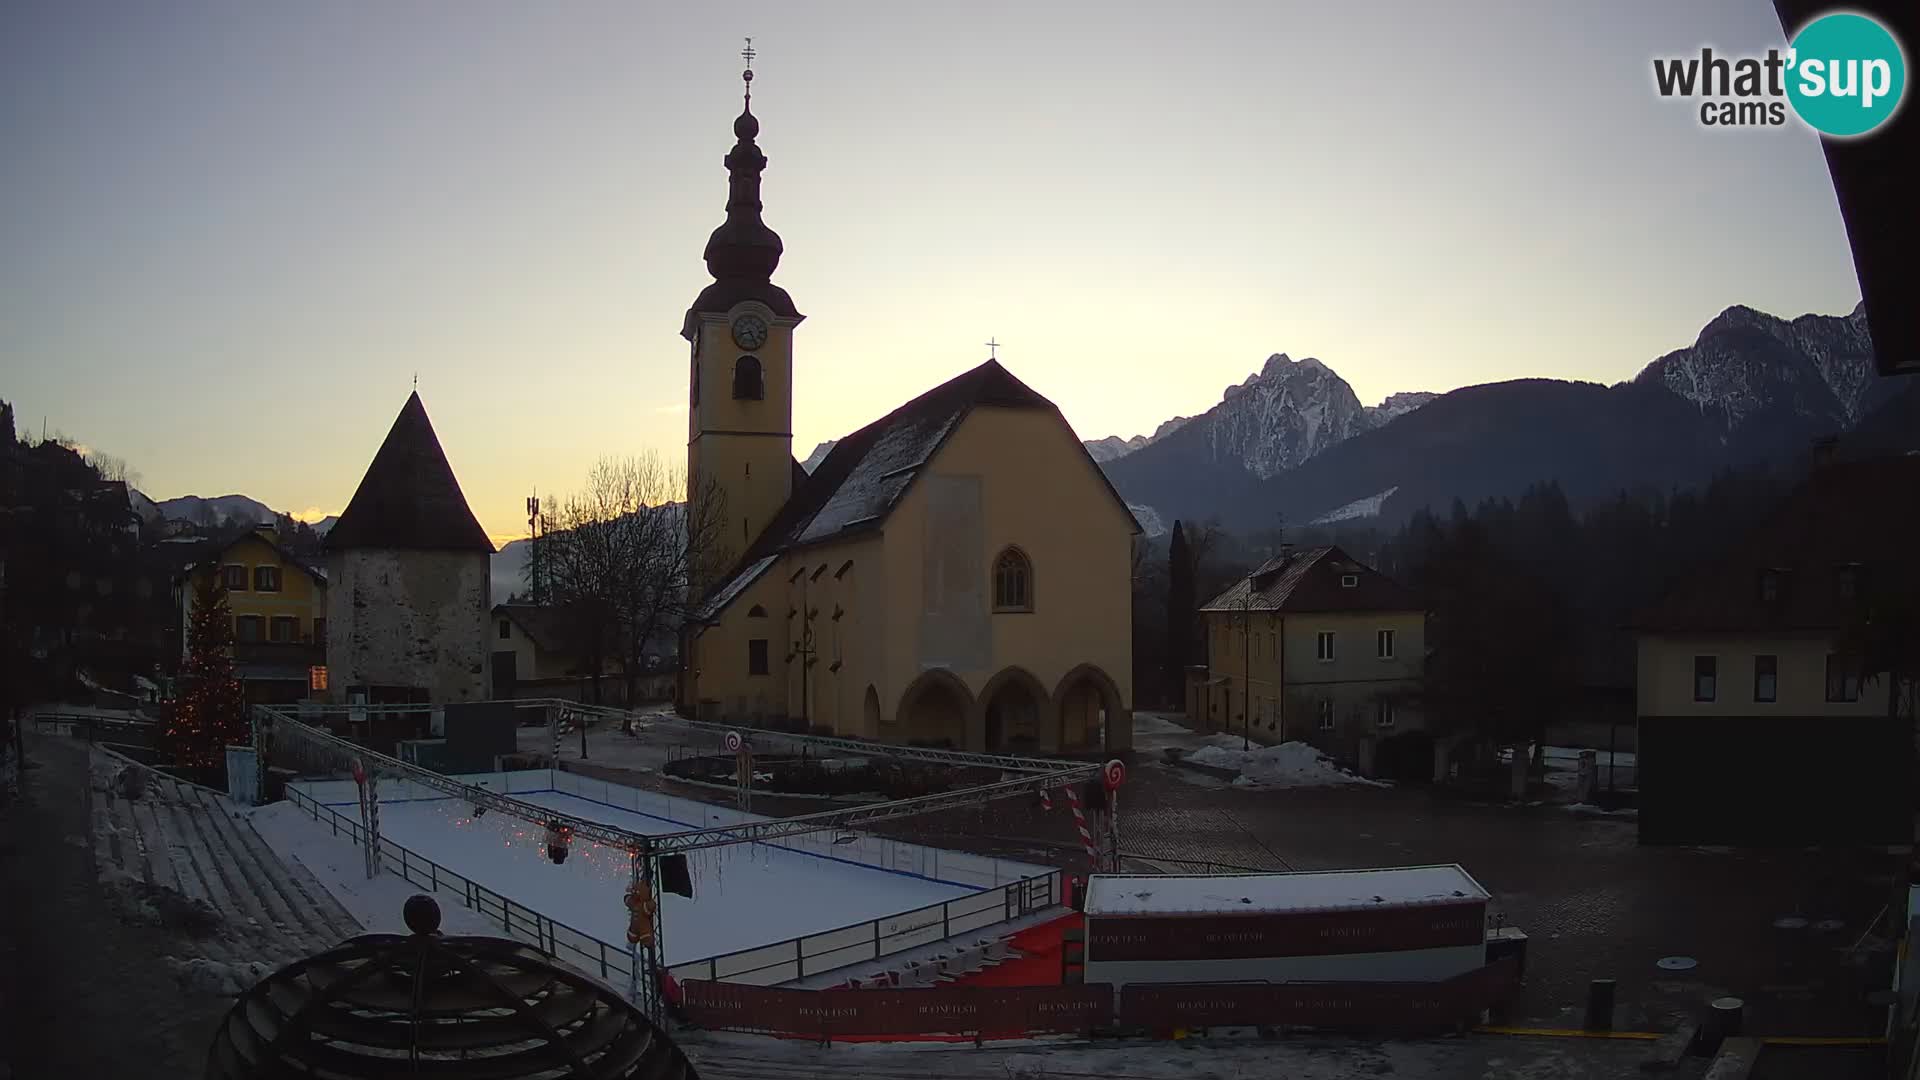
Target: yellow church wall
[[1038, 491]]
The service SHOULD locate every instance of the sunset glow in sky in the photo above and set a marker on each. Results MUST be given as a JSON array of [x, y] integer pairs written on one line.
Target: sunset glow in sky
[[235, 232]]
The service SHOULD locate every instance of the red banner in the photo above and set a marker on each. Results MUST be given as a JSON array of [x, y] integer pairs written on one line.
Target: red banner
[[1313, 933], [950, 1010]]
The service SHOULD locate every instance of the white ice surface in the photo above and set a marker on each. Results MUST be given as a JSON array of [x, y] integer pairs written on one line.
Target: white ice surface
[[744, 895], [1333, 890]]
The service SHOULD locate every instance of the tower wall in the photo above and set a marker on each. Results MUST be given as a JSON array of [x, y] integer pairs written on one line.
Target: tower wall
[[408, 619]]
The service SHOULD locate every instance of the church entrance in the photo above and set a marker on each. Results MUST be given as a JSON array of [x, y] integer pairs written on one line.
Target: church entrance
[[933, 711], [1013, 718]]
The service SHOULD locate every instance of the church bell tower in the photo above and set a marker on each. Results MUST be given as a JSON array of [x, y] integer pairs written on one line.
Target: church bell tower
[[740, 404]]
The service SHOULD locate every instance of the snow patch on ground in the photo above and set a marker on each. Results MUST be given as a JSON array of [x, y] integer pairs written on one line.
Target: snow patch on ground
[[1288, 765], [216, 976], [1358, 508]]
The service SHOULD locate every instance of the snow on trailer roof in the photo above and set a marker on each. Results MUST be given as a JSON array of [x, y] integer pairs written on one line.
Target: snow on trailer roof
[[1263, 894]]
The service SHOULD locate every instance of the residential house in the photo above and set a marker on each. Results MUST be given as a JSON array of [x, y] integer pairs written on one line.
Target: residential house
[[1756, 725], [536, 654], [1313, 646], [279, 609]]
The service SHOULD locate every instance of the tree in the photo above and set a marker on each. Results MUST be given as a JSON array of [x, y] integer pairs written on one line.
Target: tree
[[623, 556], [1180, 605], [212, 713]]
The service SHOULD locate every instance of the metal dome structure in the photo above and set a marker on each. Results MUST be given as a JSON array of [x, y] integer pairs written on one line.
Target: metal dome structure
[[424, 1004]]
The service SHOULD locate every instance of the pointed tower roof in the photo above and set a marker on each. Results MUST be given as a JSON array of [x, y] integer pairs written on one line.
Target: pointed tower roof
[[409, 498], [743, 252]]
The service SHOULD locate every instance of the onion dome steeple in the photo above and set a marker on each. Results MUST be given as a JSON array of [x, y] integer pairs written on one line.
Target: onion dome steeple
[[743, 252]]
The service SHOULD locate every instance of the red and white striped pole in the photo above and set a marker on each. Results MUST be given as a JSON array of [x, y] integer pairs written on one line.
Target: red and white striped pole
[[1080, 822]]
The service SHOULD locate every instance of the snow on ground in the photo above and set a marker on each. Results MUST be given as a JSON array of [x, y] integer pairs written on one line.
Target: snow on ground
[[1358, 508], [336, 861], [1288, 765], [1563, 766], [745, 895]]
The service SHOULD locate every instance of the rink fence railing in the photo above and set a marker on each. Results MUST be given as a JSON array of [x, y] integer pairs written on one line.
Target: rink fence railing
[[1008, 890]]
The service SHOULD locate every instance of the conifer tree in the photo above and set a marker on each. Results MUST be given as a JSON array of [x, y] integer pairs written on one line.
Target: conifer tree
[[211, 714]]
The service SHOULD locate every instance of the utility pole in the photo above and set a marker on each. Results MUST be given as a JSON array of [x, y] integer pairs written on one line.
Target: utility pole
[[1246, 666], [536, 579]]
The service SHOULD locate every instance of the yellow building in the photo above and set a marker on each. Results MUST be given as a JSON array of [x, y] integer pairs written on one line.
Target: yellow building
[[1758, 723], [279, 606], [956, 572], [1313, 646]]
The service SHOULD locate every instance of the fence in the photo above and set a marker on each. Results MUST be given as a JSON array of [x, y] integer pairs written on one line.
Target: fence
[[95, 728], [1011, 894], [767, 965], [612, 963]]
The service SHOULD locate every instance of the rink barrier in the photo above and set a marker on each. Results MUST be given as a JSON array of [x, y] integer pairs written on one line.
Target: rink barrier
[[611, 963], [1007, 890]]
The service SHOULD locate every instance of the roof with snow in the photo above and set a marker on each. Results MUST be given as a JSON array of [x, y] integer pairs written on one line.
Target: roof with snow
[[1313, 579], [1842, 539], [409, 498], [1267, 894], [860, 481]]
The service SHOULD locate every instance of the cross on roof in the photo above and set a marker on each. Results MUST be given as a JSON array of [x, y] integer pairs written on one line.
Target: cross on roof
[[993, 349]]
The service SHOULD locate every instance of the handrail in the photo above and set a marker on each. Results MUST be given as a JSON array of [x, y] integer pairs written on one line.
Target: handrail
[[761, 831], [473, 894]]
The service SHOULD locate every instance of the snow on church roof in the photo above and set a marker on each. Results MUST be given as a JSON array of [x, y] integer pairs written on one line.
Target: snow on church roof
[[865, 475], [1244, 894]]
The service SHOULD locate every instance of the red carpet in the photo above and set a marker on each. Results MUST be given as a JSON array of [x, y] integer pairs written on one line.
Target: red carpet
[[1039, 962]]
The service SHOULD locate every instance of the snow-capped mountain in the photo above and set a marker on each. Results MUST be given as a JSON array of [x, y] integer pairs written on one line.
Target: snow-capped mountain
[[1292, 441], [1276, 418], [1113, 446], [219, 510], [1746, 362]]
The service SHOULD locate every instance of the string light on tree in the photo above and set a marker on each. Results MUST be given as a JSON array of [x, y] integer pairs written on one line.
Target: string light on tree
[[212, 711]]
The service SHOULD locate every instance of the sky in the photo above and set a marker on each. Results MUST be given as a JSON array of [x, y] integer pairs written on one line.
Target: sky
[[236, 232]]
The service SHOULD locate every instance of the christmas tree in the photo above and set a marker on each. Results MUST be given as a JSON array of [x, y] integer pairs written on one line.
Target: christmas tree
[[211, 714]]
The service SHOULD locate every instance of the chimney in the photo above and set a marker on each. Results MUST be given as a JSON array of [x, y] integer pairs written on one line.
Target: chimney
[[1286, 552], [1823, 450], [267, 532]]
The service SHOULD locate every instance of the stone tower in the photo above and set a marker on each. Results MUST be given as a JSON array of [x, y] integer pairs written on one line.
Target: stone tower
[[409, 583], [740, 415]]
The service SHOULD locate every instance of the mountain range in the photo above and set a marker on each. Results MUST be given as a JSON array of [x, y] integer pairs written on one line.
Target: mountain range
[[1293, 443]]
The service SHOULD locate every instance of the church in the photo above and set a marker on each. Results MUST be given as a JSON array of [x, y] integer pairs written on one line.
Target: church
[[956, 573]]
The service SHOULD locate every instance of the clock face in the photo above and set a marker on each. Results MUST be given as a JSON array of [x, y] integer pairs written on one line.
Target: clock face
[[749, 331]]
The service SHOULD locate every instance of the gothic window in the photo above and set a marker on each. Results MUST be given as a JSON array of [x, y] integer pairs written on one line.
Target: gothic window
[[748, 383], [1012, 581]]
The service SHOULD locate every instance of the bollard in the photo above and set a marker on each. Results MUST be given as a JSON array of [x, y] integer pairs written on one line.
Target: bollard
[[1729, 1016], [1600, 1005]]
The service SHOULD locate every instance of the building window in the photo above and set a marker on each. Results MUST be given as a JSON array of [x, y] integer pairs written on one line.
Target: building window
[[1383, 644], [1273, 646], [1843, 678], [748, 382], [320, 634], [756, 612], [1349, 581], [1766, 678], [1846, 583], [266, 579], [1768, 589], [1383, 714], [506, 629], [757, 656], [1706, 677], [247, 629], [1326, 714], [1012, 581], [236, 578], [1273, 713], [1323, 646], [283, 630]]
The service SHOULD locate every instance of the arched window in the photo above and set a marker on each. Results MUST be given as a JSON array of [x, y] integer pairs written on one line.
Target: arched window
[[748, 384], [756, 612], [1012, 581]]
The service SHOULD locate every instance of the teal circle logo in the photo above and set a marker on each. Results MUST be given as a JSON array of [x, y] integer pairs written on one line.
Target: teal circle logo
[[1845, 74]]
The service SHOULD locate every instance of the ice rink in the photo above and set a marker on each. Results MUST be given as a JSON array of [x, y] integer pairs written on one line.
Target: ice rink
[[745, 895]]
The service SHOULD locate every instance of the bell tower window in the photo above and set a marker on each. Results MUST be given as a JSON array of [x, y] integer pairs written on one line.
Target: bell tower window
[[1012, 581], [748, 382]]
